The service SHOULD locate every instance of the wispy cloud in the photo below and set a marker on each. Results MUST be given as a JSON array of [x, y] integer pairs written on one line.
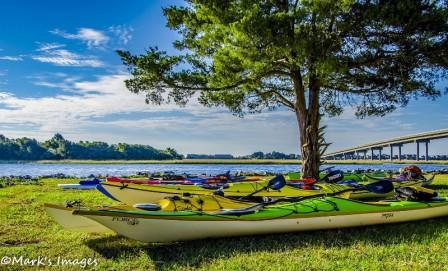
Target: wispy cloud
[[91, 37], [11, 58], [63, 57], [122, 32], [113, 36], [47, 46], [3, 81], [56, 80]]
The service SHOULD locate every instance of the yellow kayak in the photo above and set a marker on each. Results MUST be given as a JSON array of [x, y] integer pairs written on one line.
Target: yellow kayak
[[133, 193]]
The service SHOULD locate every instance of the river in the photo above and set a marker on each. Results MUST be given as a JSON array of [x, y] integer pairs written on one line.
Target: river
[[82, 170]]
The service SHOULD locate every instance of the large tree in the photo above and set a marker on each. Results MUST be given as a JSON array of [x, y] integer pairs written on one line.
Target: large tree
[[313, 57]]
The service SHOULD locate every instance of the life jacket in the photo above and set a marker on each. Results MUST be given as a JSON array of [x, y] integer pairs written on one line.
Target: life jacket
[[410, 172]]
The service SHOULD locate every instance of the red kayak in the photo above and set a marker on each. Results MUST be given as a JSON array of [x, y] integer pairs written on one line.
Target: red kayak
[[146, 181]]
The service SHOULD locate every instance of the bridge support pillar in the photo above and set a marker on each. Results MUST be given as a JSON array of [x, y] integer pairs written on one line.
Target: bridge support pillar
[[426, 151], [418, 151], [371, 154], [379, 156], [391, 152], [399, 152]]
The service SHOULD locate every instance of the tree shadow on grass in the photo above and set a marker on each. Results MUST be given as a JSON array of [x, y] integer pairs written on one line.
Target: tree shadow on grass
[[195, 253]]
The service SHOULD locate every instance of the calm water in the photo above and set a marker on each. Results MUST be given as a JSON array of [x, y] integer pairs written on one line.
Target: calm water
[[82, 170]]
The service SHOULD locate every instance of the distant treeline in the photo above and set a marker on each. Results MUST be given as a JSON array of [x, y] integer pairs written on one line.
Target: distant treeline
[[209, 156], [271, 155], [255, 155], [60, 148]]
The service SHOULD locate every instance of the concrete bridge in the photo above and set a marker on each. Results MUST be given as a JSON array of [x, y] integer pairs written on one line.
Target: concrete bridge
[[398, 142]]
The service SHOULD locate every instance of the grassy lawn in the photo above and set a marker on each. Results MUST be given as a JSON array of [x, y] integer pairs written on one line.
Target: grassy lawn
[[26, 230]]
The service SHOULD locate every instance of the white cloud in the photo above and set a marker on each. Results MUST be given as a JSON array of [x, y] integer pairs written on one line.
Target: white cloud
[[63, 57], [105, 110], [11, 58], [122, 32], [64, 82], [47, 46], [91, 37], [94, 98]]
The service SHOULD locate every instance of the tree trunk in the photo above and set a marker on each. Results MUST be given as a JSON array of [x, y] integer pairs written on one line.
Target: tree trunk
[[308, 122], [309, 144]]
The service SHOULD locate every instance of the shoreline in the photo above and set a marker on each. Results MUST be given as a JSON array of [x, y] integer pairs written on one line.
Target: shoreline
[[227, 162]]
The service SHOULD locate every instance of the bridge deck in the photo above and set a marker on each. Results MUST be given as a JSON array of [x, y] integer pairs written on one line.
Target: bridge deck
[[420, 137]]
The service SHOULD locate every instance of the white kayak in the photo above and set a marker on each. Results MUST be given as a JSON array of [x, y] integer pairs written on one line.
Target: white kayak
[[63, 215]]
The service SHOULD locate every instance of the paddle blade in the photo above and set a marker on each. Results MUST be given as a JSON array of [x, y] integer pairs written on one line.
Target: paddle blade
[[380, 187], [326, 169], [333, 176], [344, 194], [277, 183]]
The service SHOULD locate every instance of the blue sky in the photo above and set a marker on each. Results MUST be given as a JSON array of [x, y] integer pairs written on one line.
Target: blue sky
[[59, 73]]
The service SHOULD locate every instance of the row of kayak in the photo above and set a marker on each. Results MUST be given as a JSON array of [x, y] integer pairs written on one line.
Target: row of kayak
[[165, 212], [132, 194], [203, 180]]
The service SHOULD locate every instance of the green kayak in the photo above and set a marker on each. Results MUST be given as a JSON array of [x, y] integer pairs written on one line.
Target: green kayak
[[310, 214]]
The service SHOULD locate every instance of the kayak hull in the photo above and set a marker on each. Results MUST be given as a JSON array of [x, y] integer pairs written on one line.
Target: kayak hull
[[66, 219], [148, 227]]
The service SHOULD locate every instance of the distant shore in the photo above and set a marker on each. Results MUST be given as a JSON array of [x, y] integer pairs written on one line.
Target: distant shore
[[229, 161]]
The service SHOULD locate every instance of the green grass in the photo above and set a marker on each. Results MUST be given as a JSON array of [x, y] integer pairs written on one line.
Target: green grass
[[26, 230]]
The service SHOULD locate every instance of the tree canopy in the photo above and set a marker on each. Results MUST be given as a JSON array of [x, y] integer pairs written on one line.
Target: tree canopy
[[313, 57], [60, 148]]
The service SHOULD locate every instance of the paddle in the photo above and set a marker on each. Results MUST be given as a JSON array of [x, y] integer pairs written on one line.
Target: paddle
[[380, 187], [276, 183], [325, 169]]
